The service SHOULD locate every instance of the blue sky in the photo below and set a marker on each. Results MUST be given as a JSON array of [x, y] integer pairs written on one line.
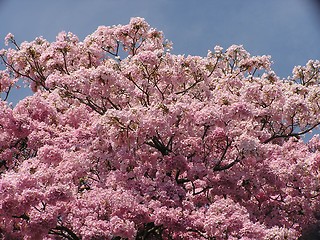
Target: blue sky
[[288, 30]]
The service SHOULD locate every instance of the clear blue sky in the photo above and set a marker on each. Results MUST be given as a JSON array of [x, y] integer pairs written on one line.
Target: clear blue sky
[[288, 30]]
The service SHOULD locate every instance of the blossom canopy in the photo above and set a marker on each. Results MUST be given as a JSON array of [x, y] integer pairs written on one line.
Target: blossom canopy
[[122, 139]]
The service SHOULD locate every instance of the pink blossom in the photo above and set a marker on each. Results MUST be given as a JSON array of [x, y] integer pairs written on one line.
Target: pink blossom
[[122, 139], [8, 38]]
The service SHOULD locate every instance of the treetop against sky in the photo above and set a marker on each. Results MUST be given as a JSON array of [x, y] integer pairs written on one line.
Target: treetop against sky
[[123, 139]]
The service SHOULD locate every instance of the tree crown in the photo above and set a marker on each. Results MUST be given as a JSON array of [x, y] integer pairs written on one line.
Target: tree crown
[[124, 140]]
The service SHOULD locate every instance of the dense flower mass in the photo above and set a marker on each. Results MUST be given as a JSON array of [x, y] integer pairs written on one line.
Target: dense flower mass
[[124, 140]]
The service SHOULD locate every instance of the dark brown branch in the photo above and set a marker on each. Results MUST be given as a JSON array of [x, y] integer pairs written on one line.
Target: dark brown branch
[[228, 144], [225, 167], [291, 134], [201, 191], [158, 144], [180, 180], [201, 234], [112, 104], [64, 232], [23, 216], [64, 53], [188, 88], [149, 231]]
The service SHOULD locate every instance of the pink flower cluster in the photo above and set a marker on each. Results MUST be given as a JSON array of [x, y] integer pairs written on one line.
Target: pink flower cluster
[[124, 140]]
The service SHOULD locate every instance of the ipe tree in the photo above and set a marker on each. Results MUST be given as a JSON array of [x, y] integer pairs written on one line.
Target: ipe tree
[[122, 139]]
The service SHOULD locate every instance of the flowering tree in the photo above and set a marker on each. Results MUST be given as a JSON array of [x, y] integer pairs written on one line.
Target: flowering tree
[[124, 140]]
